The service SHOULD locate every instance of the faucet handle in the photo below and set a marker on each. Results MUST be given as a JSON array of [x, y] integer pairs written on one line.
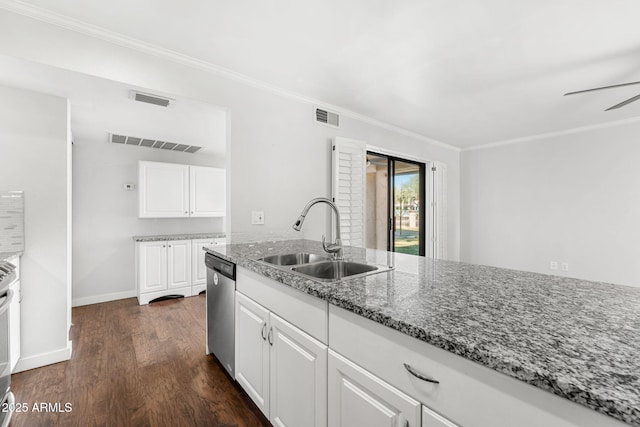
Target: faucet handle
[[330, 248]]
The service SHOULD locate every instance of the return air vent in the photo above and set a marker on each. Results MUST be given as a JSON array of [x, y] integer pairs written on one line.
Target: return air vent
[[149, 98], [327, 117], [153, 143]]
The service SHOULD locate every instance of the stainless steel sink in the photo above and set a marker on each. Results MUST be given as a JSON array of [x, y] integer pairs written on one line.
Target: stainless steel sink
[[334, 270], [320, 267], [293, 259]]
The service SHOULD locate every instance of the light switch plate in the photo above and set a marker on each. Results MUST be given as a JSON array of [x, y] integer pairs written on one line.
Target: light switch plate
[[257, 217]]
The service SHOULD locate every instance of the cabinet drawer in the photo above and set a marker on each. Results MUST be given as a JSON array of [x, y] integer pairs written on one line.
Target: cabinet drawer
[[306, 312], [468, 393]]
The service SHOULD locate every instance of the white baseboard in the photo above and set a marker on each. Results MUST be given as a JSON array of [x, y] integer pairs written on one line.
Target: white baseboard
[[43, 359], [96, 299]]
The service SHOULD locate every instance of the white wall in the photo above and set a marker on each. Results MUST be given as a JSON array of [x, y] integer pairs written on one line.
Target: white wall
[[572, 198], [105, 216], [279, 159], [34, 148]]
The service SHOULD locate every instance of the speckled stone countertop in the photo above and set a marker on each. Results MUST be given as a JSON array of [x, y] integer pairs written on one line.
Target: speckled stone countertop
[[160, 237], [574, 338], [6, 256]]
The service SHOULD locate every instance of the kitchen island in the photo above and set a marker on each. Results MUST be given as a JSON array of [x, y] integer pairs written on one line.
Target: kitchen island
[[576, 339]]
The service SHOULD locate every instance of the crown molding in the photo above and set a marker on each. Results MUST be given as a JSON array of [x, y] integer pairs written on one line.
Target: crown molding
[[50, 17], [548, 135]]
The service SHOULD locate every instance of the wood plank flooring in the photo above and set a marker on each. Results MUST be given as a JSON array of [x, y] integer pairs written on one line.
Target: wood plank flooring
[[136, 366]]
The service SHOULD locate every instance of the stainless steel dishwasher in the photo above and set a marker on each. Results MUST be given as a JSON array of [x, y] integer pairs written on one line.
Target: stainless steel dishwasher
[[221, 287]]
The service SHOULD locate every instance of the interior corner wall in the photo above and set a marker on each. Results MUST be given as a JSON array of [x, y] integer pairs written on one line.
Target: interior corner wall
[[572, 199], [34, 144], [106, 216], [278, 158]]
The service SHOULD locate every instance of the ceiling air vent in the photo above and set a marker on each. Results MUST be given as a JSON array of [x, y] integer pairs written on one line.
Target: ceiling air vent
[[327, 117], [152, 143], [150, 99]]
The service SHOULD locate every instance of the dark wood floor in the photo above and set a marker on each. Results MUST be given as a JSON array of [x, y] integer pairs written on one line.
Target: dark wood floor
[[136, 366]]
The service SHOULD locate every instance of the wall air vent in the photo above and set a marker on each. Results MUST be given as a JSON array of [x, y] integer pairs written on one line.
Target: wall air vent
[[152, 143], [149, 98], [326, 117]]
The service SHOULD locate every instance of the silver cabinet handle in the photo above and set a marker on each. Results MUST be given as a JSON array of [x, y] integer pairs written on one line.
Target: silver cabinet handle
[[269, 336], [419, 375], [264, 328]]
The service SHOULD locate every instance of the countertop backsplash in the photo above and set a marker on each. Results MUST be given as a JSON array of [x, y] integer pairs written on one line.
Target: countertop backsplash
[[11, 221]]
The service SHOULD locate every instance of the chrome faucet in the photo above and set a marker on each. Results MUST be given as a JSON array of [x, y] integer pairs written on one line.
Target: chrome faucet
[[335, 249]]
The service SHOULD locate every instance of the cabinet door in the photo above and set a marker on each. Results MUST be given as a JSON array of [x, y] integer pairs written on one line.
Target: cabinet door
[[207, 194], [179, 263], [298, 389], [431, 419], [14, 324], [198, 268], [152, 266], [163, 190], [359, 398], [252, 351]]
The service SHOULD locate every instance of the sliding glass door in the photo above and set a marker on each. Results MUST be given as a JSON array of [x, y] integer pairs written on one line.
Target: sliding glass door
[[408, 207], [395, 204]]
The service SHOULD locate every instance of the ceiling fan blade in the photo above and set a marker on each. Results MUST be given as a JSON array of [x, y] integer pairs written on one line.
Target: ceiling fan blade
[[601, 88], [623, 103]]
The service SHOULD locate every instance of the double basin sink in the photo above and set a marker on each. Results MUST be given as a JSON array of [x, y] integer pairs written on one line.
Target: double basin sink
[[321, 267]]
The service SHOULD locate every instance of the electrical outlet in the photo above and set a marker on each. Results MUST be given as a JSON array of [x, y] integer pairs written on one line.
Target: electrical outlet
[[129, 187], [565, 266], [553, 265], [257, 217]]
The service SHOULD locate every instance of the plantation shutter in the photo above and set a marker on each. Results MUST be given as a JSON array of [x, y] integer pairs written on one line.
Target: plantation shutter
[[439, 176], [349, 158]]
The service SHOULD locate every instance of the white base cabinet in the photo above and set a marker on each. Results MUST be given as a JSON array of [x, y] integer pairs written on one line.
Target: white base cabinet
[[283, 369], [14, 317], [252, 350], [198, 268], [358, 398], [171, 267], [163, 268]]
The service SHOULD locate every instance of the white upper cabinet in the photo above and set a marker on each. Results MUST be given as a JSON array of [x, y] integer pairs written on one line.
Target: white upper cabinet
[[170, 190], [207, 191], [163, 190]]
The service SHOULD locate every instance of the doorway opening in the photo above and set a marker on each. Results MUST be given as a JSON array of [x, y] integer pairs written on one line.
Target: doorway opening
[[396, 196]]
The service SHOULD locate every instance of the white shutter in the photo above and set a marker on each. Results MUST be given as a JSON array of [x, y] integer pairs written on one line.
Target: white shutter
[[439, 176], [349, 158]]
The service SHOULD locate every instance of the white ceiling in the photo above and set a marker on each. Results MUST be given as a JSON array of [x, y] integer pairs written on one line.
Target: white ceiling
[[100, 107], [463, 72]]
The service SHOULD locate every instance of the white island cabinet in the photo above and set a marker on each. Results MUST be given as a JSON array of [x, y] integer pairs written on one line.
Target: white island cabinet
[[281, 367], [359, 398], [172, 190], [373, 375]]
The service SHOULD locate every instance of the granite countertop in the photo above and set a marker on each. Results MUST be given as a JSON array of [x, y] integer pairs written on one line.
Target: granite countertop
[[6, 256], [575, 338], [160, 237]]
